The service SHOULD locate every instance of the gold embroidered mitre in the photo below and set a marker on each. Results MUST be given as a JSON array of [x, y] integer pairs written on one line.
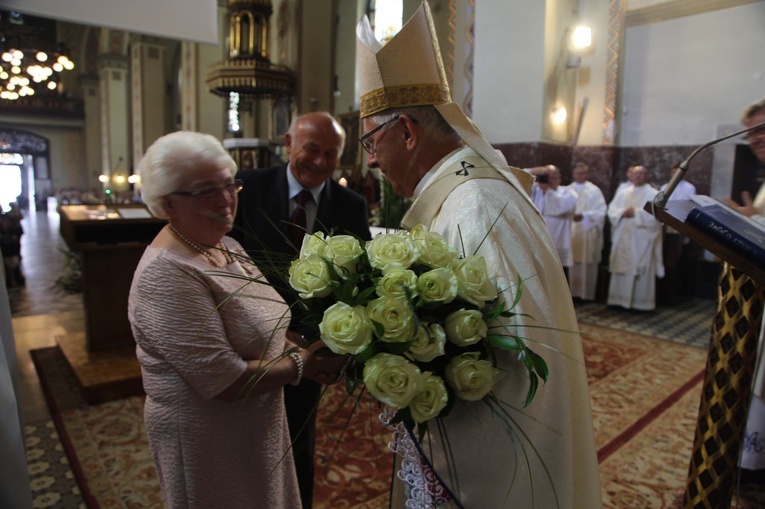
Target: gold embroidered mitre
[[408, 71]]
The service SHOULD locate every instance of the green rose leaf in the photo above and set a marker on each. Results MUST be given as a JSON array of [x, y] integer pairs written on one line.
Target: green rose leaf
[[508, 343]]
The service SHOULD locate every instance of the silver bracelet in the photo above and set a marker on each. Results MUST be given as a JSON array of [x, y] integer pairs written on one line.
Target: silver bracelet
[[299, 363]]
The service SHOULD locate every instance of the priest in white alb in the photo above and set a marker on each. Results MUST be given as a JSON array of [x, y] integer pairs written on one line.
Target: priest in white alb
[[586, 234], [684, 189], [636, 248], [557, 204]]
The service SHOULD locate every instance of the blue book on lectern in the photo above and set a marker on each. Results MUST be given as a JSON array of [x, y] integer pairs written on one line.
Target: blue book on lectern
[[731, 228]]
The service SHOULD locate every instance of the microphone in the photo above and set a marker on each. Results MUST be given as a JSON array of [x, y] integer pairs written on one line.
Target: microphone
[[661, 199]]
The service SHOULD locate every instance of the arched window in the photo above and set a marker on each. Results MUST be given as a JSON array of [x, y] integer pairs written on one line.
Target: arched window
[[386, 18]]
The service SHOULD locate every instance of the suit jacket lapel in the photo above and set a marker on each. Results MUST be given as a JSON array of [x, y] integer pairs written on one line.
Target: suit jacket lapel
[[278, 200], [324, 213]]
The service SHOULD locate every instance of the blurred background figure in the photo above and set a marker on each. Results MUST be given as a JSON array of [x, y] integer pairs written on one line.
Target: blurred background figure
[[680, 254], [628, 182], [636, 252], [586, 234], [557, 206], [754, 115], [10, 245], [684, 189]]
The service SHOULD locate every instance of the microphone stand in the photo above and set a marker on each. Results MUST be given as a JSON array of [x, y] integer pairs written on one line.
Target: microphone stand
[[661, 199]]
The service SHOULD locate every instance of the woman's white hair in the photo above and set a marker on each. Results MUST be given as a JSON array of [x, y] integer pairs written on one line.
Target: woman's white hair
[[170, 161]]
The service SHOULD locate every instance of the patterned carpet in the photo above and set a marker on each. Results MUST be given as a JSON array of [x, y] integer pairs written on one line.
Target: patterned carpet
[[644, 449], [106, 447], [645, 395], [51, 478]]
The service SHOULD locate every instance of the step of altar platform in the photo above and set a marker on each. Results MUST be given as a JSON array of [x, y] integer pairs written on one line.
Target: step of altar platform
[[103, 375]]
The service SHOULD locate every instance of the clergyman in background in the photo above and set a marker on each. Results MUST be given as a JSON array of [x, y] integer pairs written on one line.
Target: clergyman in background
[[557, 206], [277, 206], [680, 257], [586, 234], [628, 182], [636, 252]]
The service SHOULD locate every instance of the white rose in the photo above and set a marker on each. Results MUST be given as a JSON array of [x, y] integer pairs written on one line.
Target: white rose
[[391, 248], [471, 378], [473, 281], [429, 343], [431, 399], [432, 248], [437, 286], [313, 244], [310, 277], [465, 327], [396, 316], [397, 282], [392, 379], [346, 329], [344, 252]]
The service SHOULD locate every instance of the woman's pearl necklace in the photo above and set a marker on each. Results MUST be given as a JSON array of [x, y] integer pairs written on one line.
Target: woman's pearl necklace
[[215, 263]]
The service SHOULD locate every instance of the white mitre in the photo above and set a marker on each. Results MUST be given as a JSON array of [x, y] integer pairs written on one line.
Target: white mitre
[[408, 71]]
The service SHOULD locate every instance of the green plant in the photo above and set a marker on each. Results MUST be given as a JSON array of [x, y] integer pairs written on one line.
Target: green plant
[[393, 206], [71, 280]]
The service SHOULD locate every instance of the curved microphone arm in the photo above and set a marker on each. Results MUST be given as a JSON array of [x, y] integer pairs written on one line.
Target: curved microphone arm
[[661, 199]]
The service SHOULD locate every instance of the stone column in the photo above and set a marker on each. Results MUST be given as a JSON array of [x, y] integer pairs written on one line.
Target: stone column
[[115, 125], [148, 97]]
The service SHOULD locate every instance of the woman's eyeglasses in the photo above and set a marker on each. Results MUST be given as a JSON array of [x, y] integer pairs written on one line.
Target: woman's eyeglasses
[[211, 191], [370, 145]]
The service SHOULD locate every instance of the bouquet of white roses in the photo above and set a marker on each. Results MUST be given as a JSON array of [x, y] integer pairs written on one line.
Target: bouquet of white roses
[[419, 322]]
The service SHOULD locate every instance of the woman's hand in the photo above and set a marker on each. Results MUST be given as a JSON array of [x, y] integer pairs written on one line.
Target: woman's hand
[[324, 368]]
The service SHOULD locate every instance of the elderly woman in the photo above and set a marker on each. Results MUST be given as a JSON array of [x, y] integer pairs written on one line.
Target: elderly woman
[[212, 347]]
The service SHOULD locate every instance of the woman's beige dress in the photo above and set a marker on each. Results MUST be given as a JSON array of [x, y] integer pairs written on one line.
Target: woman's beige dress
[[193, 327]]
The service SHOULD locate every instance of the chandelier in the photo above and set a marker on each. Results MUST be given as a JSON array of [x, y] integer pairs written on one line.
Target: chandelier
[[30, 62]]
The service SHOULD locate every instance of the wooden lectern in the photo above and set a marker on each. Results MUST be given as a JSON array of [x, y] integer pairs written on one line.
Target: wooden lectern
[[730, 366], [110, 241]]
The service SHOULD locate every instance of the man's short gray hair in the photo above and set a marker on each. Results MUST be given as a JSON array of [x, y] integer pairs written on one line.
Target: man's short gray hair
[[170, 161], [752, 109], [428, 117]]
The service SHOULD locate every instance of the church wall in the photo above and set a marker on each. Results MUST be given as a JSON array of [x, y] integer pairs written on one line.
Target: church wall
[[684, 77], [345, 91], [508, 94], [210, 107], [684, 81], [315, 69]]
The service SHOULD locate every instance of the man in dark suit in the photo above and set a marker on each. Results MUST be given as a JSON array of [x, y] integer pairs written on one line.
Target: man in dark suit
[[268, 203]]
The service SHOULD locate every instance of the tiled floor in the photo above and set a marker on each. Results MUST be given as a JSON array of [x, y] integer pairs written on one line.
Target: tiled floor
[[39, 312]]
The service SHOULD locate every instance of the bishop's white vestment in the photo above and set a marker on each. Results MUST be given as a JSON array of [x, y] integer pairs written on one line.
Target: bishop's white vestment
[[587, 239], [558, 423], [636, 250]]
